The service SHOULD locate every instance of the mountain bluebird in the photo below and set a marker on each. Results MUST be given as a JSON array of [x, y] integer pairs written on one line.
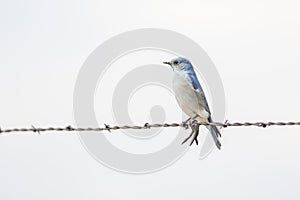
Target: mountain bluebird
[[191, 98]]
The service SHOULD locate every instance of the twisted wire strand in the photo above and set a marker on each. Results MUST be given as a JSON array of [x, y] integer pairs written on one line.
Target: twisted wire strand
[[147, 126]]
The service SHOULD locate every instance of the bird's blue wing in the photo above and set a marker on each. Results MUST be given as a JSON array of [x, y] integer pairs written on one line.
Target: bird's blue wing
[[196, 85], [213, 129]]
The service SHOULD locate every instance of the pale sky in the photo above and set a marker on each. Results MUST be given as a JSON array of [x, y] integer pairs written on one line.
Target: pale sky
[[254, 46]]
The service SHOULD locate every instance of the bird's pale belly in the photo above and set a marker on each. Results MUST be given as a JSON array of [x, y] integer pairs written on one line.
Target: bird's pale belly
[[187, 98]]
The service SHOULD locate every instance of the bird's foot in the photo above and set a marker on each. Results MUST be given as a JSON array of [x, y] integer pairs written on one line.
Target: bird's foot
[[184, 124], [195, 132], [195, 127]]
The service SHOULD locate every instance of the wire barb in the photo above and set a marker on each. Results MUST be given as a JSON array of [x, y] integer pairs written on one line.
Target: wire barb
[[185, 125], [107, 127], [146, 125], [69, 128], [35, 130]]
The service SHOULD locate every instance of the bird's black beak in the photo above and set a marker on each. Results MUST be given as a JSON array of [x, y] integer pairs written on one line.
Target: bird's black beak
[[167, 63]]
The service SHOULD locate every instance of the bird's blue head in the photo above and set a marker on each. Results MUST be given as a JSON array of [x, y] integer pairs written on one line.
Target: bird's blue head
[[180, 64]]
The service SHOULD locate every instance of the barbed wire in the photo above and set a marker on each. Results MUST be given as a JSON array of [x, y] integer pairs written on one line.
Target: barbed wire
[[148, 126]]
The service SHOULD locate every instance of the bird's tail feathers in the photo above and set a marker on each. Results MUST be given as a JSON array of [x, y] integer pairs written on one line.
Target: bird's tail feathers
[[216, 130], [215, 133]]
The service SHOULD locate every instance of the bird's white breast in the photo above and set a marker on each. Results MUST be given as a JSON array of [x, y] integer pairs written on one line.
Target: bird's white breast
[[186, 95]]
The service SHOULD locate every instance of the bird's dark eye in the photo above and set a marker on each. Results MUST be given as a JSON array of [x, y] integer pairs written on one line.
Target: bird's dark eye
[[175, 62]]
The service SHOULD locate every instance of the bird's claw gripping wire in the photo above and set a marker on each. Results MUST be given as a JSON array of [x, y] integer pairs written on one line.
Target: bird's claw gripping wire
[[185, 124], [195, 132]]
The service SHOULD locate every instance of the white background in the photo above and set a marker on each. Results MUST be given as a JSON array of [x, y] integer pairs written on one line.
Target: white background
[[255, 46]]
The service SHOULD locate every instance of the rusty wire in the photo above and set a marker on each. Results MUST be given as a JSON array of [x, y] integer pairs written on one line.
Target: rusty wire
[[147, 126]]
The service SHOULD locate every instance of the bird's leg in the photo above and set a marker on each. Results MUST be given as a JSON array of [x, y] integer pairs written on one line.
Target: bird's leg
[[195, 127], [195, 116], [184, 123], [186, 139]]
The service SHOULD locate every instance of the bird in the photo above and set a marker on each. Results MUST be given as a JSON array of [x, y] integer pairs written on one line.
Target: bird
[[191, 99]]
